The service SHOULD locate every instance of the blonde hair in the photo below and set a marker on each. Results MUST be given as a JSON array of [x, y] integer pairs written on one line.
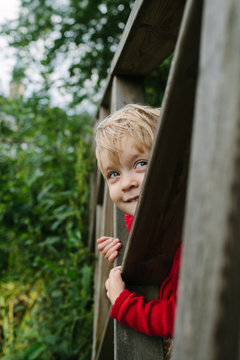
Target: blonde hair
[[137, 121]]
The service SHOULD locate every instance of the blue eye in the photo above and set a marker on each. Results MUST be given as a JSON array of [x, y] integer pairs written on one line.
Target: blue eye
[[141, 164], [113, 174]]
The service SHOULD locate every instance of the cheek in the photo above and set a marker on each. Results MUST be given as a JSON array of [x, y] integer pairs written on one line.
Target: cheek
[[141, 178], [113, 193]]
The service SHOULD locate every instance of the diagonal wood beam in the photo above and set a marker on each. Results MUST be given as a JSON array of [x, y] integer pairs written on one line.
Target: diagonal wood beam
[[157, 229]]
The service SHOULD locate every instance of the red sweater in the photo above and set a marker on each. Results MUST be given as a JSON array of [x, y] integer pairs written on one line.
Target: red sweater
[[156, 317]]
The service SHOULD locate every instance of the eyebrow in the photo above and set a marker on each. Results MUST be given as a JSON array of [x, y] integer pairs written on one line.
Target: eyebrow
[[133, 156], [139, 154], [108, 169]]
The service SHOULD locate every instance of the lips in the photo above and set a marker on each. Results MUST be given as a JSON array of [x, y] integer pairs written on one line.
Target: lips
[[132, 199]]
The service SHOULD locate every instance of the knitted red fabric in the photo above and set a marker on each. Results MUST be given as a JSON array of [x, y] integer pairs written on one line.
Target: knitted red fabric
[[156, 317]]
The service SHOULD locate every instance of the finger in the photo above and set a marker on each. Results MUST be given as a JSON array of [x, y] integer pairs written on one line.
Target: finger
[[119, 267], [116, 274], [115, 270], [107, 244], [103, 238], [112, 271], [113, 256], [111, 247], [103, 245], [102, 242]]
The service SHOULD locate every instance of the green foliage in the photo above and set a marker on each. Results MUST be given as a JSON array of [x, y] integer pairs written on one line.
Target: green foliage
[[156, 82], [84, 34], [45, 266]]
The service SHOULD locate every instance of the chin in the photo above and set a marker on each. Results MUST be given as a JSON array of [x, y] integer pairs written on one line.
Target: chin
[[130, 211]]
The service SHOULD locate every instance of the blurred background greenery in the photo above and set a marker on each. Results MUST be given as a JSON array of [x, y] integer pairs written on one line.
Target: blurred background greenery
[[46, 268], [45, 265]]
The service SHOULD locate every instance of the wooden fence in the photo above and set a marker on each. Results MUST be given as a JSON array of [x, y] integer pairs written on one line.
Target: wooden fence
[[192, 185]]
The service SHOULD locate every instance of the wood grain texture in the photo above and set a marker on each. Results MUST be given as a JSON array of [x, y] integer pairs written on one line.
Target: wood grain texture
[[149, 38], [128, 343], [101, 222], [102, 268], [106, 348], [96, 190], [159, 219], [208, 321]]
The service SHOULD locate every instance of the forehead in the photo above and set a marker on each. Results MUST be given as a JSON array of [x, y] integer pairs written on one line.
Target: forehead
[[128, 151]]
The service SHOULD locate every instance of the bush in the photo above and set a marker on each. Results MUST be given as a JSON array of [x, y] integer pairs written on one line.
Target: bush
[[45, 265]]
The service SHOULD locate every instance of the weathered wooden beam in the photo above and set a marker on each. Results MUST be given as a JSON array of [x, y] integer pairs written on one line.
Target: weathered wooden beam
[[157, 229], [149, 37], [103, 226], [96, 192], [102, 268], [129, 343], [208, 321], [126, 90], [106, 347]]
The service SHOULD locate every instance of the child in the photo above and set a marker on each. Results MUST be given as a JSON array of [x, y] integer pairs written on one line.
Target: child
[[123, 144]]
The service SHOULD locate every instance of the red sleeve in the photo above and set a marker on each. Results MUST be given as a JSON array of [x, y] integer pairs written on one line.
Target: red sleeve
[[156, 317]]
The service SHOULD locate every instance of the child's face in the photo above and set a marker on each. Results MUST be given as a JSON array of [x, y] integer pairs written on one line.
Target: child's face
[[125, 177]]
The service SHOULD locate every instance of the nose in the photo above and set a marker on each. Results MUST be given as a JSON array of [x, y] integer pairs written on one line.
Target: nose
[[128, 181]]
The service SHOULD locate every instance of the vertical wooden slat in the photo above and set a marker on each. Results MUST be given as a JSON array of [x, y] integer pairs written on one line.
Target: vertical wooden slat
[[104, 226], [101, 304], [121, 232], [208, 321], [101, 309], [129, 343], [106, 350], [92, 208], [95, 187]]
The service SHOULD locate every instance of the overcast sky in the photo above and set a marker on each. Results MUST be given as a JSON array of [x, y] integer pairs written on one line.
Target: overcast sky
[[8, 11]]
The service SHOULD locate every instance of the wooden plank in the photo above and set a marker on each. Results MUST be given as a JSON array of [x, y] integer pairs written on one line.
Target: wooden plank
[[126, 90], [136, 346], [120, 231], [157, 229], [208, 321], [129, 343], [92, 209], [103, 113], [96, 191], [106, 348], [104, 226], [102, 268], [149, 38]]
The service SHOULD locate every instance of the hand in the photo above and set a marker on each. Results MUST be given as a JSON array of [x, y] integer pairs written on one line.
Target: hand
[[114, 284], [108, 247]]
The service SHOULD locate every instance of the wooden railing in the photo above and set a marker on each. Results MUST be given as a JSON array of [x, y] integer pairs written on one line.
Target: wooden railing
[[198, 134]]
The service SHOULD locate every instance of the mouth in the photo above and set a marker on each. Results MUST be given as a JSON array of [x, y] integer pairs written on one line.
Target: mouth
[[133, 199]]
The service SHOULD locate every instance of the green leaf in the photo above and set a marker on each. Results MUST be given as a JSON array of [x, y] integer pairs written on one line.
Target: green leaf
[[44, 192], [34, 351]]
